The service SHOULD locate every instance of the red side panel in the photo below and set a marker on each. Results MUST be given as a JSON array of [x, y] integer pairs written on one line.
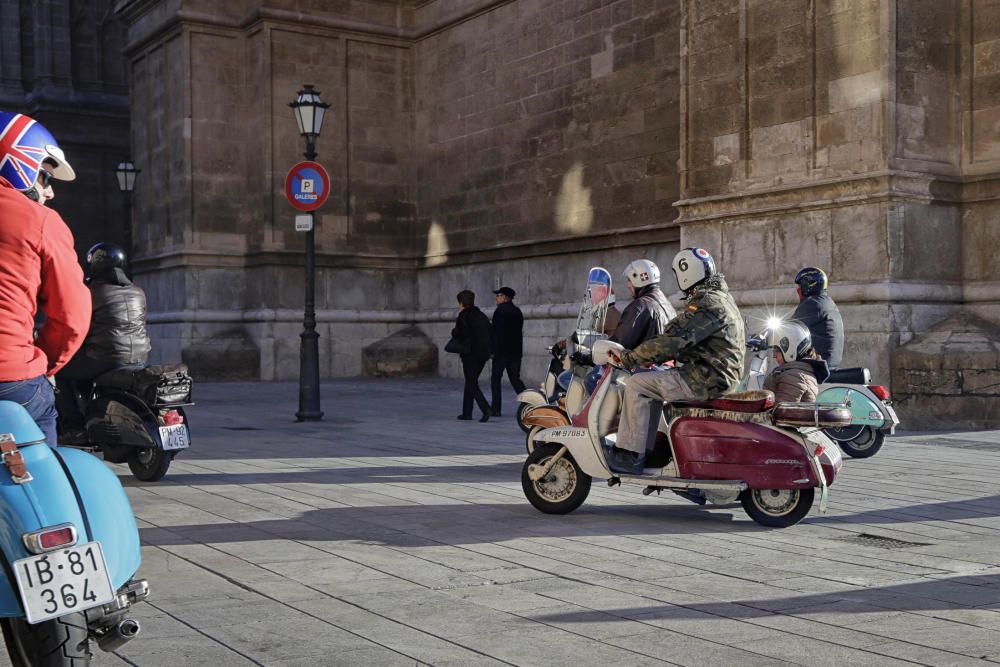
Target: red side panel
[[709, 448]]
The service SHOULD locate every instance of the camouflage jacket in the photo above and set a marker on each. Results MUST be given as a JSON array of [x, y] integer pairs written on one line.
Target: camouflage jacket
[[708, 337]]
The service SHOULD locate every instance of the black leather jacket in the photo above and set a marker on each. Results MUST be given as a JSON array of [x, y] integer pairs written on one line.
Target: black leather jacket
[[822, 317], [118, 323], [646, 317]]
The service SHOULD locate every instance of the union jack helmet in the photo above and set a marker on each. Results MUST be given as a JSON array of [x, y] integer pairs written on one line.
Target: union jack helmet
[[24, 145]]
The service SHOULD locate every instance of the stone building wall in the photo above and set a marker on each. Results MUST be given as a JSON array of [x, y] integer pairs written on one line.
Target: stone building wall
[[451, 126], [61, 63], [520, 141], [855, 135]]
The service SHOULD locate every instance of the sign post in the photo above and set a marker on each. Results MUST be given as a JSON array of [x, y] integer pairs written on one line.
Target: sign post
[[307, 187]]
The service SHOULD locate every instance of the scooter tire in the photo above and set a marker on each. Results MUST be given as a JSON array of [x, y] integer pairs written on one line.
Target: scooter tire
[[61, 642], [563, 489], [788, 513], [521, 408], [862, 446], [149, 464]]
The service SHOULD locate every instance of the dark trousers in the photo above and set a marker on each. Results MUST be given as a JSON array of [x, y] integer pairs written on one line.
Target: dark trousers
[[73, 379], [513, 367], [471, 368], [37, 398]]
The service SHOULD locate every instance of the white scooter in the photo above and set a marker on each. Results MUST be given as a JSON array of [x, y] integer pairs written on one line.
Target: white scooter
[[872, 415], [740, 447]]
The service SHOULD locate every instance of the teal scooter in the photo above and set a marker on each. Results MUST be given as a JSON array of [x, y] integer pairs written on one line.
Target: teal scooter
[[872, 415], [70, 550]]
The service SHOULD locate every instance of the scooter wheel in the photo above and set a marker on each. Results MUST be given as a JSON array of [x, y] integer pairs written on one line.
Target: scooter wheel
[[858, 445], [60, 642], [521, 407], [777, 508], [563, 489], [149, 464]]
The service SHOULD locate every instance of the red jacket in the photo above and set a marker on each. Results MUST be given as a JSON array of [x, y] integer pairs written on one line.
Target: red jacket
[[38, 267]]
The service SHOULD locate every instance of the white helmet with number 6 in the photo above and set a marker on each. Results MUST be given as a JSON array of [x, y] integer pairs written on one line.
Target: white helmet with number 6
[[691, 266], [641, 272]]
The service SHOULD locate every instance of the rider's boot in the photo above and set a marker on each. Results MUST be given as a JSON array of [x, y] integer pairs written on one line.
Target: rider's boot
[[625, 461]]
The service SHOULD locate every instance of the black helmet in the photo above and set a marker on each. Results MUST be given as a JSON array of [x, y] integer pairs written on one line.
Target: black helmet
[[104, 257], [811, 281]]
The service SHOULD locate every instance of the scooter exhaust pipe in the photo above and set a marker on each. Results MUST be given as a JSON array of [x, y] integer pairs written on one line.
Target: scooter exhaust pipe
[[119, 635]]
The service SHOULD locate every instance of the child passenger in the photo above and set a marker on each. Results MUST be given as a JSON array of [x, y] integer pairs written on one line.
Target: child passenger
[[799, 370]]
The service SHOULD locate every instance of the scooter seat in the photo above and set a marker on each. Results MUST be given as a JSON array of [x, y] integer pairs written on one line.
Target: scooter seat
[[744, 401], [850, 376]]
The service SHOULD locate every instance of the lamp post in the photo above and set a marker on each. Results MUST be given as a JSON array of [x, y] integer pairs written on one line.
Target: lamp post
[[309, 113], [126, 173]]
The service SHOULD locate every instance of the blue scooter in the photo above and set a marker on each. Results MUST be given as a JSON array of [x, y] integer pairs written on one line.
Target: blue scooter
[[70, 550]]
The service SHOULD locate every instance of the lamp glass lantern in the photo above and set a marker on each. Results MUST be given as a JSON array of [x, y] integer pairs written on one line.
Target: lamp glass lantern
[[309, 110], [126, 173]]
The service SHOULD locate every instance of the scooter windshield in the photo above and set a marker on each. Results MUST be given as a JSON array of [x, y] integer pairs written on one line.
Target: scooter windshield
[[595, 301]]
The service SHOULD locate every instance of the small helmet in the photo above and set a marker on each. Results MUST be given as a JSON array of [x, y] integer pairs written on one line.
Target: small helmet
[[642, 272], [811, 281], [25, 145], [691, 266], [791, 338], [103, 257]]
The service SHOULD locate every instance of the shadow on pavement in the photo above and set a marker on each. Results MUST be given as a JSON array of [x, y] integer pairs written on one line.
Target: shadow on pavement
[[420, 525], [971, 591], [497, 472], [971, 508]]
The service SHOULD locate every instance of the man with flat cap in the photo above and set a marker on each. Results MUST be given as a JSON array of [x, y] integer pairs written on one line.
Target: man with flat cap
[[508, 326]]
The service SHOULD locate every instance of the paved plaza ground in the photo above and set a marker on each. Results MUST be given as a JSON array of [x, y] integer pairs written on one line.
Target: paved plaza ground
[[392, 534]]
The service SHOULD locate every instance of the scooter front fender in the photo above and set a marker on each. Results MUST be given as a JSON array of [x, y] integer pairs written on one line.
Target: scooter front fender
[[532, 397], [581, 448], [865, 408]]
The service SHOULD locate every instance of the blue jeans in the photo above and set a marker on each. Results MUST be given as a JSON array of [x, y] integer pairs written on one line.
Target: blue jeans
[[38, 399]]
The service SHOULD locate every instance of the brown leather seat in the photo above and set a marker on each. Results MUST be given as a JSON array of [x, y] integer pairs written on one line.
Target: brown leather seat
[[744, 401]]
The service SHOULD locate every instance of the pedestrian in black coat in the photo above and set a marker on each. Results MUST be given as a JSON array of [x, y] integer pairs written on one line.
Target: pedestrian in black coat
[[508, 333], [472, 333]]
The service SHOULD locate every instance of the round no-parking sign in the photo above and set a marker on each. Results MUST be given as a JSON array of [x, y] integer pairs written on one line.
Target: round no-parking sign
[[307, 186]]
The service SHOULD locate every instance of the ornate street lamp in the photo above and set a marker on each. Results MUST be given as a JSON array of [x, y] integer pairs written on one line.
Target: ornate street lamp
[[310, 111], [126, 173]]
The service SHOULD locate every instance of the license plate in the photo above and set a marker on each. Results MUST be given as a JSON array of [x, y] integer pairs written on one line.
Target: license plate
[[64, 581], [174, 437]]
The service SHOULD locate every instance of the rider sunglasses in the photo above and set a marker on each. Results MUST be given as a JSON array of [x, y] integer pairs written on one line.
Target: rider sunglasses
[[44, 178]]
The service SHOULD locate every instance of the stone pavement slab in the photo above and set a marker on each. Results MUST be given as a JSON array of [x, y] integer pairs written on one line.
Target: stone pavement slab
[[392, 534]]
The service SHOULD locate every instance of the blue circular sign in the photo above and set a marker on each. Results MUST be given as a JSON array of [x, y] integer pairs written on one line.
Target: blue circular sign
[[307, 186]]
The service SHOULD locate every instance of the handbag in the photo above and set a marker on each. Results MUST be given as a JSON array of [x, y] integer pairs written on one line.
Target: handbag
[[454, 346]]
